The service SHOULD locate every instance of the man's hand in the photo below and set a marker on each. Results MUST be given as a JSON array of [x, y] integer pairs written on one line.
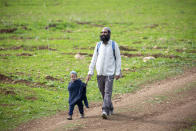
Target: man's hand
[[117, 77], [88, 78]]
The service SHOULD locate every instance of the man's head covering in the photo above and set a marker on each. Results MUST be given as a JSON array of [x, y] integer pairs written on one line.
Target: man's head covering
[[73, 72], [106, 28]]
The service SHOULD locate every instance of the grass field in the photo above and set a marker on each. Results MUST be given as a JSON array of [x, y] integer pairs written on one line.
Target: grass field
[[39, 39]]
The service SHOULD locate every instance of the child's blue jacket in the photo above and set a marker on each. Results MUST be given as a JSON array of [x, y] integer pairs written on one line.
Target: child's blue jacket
[[77, 92]]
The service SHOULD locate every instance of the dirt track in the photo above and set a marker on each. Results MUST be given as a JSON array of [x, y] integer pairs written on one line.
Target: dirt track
[[162, 106]]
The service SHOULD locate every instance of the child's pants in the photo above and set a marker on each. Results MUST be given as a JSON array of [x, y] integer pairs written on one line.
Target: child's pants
[[80, 107]]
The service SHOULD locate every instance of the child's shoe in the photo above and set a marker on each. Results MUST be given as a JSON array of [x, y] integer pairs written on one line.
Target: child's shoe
[[69, 117], [81, 115]]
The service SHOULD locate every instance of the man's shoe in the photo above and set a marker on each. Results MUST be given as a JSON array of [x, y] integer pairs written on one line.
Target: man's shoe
[[81, 115], [69, 117], [111, 112], [104, 115]]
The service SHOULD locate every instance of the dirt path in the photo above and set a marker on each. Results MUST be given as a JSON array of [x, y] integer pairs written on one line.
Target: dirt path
[[162, 106]]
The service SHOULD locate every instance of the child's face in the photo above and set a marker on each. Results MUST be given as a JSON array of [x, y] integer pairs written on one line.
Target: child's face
[[73, 77]]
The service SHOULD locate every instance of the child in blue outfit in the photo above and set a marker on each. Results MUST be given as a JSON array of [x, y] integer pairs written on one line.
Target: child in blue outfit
[[77, 94]]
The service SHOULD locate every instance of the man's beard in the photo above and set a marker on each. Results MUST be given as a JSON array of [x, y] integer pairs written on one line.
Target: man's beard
[[105, 38]]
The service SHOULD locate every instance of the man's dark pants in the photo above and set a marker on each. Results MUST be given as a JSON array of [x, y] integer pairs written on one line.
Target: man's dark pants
[[105, 84]]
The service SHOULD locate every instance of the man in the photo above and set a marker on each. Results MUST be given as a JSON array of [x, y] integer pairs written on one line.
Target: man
[[107, 59]]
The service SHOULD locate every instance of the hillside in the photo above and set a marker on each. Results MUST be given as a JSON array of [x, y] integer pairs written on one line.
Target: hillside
[[40, 39]]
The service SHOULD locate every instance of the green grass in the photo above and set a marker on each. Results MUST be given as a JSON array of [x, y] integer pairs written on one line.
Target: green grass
[[193, 128], [49, 33]]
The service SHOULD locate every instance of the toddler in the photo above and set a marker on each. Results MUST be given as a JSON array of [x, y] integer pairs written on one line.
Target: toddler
[[77, 94]]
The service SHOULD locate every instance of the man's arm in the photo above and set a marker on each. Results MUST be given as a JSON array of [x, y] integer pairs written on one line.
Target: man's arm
[[118, 62], [92, 65]]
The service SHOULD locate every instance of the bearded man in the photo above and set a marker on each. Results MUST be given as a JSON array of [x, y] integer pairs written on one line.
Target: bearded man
[[107, 60]]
